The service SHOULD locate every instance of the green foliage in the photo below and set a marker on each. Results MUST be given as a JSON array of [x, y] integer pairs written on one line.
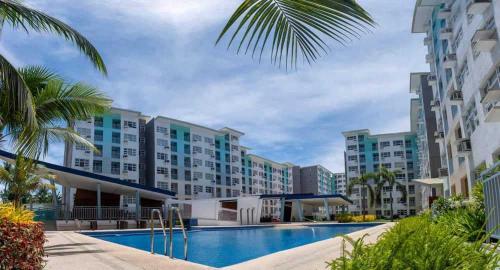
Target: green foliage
[[388, 177], [420, 244], [345, 217], [15, 214], [294, 28], [364, 181]]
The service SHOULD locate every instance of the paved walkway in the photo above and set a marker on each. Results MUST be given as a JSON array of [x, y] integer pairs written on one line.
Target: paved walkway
[[71, 250]]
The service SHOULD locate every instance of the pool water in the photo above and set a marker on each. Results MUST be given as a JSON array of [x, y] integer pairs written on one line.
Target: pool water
[[226, 246]]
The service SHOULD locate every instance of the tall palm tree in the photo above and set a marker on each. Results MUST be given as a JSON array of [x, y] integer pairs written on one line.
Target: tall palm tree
[[293, 28], [388, 177], [16, 91], [20, 180], [364, 181], [56, 104]]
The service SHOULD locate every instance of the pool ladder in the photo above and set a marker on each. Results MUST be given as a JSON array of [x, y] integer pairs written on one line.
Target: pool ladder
[[171, 231], [248, 215]]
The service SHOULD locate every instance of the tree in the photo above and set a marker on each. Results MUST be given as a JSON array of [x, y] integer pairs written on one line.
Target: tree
[[20, 180], [291, 28], [56, 104], [16, 91], [364, 182], [388, 177]]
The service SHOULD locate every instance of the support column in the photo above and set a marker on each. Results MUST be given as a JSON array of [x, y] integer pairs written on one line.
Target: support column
[[327, 209], [137, 205], [282, 213], [99, 211], [301, 210], [54, 194], [66, 200], [165, 209]]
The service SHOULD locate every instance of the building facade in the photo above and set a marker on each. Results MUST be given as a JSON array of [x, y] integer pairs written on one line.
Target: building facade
[[313, 179], [423, 123], [395, 151], [464, 59]]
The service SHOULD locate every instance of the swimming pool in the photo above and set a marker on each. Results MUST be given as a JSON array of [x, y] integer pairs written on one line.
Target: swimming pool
[[219, 247]]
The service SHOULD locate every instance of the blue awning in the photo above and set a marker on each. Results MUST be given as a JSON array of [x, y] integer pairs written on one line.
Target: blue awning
[[305, 196]]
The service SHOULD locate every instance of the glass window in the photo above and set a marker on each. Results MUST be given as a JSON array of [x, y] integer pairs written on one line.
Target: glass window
[[115, 137], [98, 121], [115, 152], [115, 167], [98, 135], [116, 124], [173, 134]]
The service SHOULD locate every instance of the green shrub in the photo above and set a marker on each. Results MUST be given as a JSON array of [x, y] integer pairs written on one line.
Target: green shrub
[[343, 218], [418, 243], [9, 212]]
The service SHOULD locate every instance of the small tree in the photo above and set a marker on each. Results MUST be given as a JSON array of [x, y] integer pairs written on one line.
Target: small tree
[[389, 177], [364, 182], [20, 180]]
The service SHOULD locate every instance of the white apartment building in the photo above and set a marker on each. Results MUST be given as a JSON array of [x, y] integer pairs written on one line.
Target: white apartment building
[[340, 183], [464, 59], [395, 151], [192, 160], [315, 179], [119, 139], [264, 176]]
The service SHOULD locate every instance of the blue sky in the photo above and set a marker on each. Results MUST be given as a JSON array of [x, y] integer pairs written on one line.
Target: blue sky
[[162, 61]]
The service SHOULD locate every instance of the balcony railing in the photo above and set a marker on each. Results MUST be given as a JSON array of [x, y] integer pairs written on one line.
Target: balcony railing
[[477, 7], [446, 33], [491, 97], [491, 189], [484, 40]]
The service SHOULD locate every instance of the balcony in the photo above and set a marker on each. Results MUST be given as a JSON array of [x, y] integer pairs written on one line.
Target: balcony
[[491, 98], [446, 33], [450, 60], [484, 40], [435, 105], [464, 147], [429, 58], [477, 7], [439, 136], [444, 13], [456, 98]]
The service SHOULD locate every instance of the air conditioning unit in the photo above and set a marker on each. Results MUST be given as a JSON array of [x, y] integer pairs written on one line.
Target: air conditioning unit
[[167, 147], [87, 152]]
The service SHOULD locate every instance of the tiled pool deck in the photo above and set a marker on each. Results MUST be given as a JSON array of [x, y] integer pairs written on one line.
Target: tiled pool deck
[[72, 250]]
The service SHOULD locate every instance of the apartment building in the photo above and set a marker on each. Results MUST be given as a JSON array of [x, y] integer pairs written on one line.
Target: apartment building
[[464, 59], [395, 151], [423, 124], [264, 176], [119, 137], [313, 179], [340, 183], [192, 160]]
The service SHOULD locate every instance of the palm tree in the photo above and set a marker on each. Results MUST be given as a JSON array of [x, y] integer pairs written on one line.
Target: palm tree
[[56, 105], [20, 180], [389, 177], [291, 28], [15, 89], [364, 182]]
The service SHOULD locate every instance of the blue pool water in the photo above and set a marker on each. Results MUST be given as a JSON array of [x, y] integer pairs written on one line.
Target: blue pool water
[[223, 247]]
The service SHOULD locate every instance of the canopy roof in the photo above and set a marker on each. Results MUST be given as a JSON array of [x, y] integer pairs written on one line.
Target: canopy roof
[[309, 198]]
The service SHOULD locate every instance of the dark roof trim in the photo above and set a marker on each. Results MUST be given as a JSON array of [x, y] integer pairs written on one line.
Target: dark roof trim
[[303, 196], [91, 175]]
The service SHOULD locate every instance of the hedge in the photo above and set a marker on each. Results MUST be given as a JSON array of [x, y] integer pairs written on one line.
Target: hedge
[[21, 242]]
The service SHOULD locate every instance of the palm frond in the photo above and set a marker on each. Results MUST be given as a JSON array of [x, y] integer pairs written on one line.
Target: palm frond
[[17, 102], [21, 16], [290, 29], [36, 77]]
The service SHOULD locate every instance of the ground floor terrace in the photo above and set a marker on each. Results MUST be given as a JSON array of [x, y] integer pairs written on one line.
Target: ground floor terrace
[[98, 251]]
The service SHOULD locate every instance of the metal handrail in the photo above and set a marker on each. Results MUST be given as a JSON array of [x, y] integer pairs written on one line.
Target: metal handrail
[[170, 220], [153, 232], [253, 208], [248, 214]]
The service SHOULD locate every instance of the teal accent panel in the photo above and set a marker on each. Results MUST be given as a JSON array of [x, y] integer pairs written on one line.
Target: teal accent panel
[[181, 131], [369, 153]]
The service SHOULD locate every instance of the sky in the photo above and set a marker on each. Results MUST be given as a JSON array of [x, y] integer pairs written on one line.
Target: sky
[[162, 60]]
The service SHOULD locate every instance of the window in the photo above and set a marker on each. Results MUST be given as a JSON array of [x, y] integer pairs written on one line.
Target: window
[[187, 162], [98, 121], [130, 152], [411, 201], [174, 187], [197, 175], [234, 148], [397, 143], [173, 146], [84, 132], [162, 130], [99, 150], [209, 140], [352, 158], [173, 134], [187, 136], [375, 157], [409, 165], [197, 149], [385, 144], [209, 152], [187, 149], [209, 176], [187, 189], [217, 155], [196, 138], [129, 167], [387, 165], [374, 147], [130, 137], [385, 154], [162, 170], [197, 188], [116, 124], [115, 137], [187, 175], [115, 152], [399, 154], [115, 167], [197, 162], [162, 185], [130, 124], [161, 156], [351, 138], [162, 142], [80, 162], [352, 147], [209, 164], [408, 143], [97, 166], [79, 146], [174, 160], [98, 135], [209, 189], [411, 189], [174, 174], [353, 168]]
